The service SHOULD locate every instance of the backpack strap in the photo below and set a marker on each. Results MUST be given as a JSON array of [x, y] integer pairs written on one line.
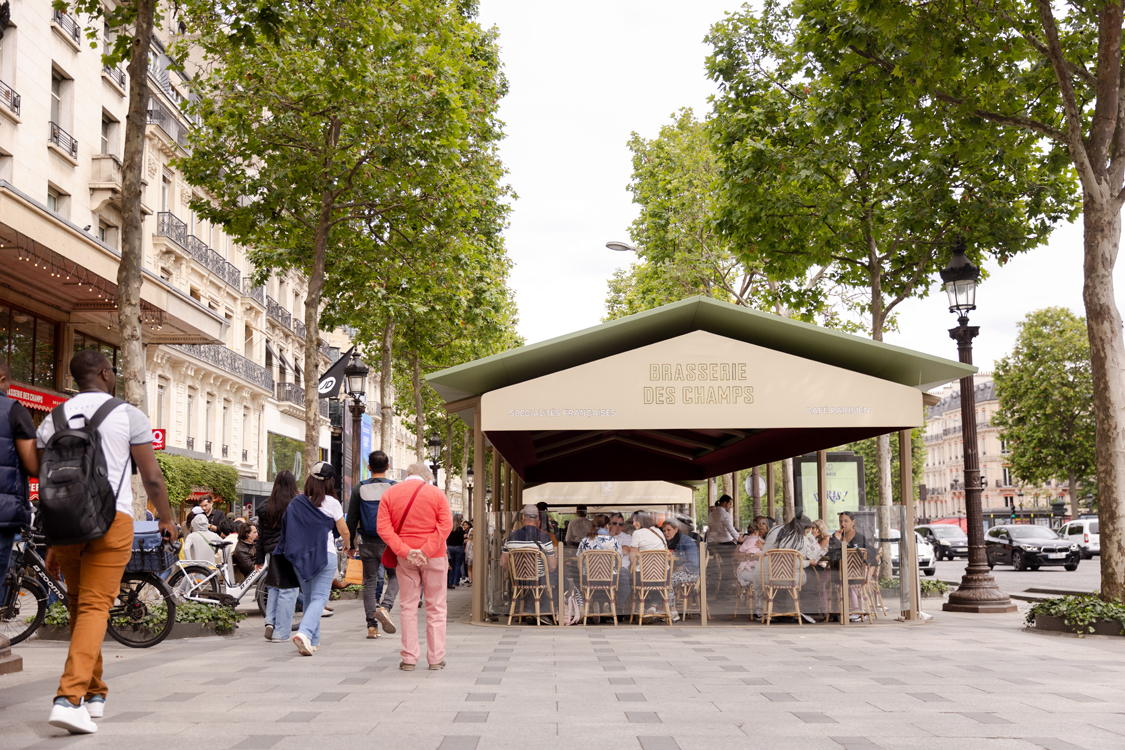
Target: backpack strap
[[58, 417], [103, 411]]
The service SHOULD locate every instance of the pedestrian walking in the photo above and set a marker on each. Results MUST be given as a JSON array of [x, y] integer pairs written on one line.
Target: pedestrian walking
[[363, 519], [18, 461], [455, 550], [93, 568], [281, 579], [308, 531], [414, 521]]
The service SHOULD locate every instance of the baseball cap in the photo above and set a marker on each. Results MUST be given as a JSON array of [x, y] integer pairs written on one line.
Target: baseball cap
[[323, 470], [197, 510], [530, 511]]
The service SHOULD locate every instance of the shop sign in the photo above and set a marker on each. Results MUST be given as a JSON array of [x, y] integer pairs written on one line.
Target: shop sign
[[34, 486], [34, 399], [158, 435]]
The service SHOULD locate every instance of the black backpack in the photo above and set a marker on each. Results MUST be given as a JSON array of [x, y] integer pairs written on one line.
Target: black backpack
[[76, 501]]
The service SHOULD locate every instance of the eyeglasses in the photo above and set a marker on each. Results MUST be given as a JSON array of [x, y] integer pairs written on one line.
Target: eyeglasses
[[616, 523]]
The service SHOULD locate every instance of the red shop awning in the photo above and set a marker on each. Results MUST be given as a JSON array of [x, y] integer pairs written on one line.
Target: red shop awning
[[34, 399]]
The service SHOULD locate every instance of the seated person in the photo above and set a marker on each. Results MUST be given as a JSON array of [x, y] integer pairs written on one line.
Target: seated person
[[686, 551], [199, 543], [578, 527], [854, 539], [243, 556], [787, 536], [599, 538], [530, 536], [750, 551], [645, 536]]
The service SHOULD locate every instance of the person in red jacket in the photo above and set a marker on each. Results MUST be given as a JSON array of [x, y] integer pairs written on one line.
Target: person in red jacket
[[414, 521]]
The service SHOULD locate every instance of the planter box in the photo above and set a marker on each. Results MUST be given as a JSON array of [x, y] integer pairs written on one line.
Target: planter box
[[1052, 624], [341, 594], [179, 630]]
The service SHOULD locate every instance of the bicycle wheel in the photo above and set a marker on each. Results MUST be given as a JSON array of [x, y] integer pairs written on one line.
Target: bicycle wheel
[[144, 612], [260, 596], [195, 580], [25, 612]]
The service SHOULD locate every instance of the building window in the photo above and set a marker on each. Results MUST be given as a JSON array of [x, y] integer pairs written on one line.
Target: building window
[[246, 432], [28, 346], [160, 405], [56, 97], [190, 416], [165, 192], [207, 425], [1007, 477], [83, 342], [223, 436], [53, 200]]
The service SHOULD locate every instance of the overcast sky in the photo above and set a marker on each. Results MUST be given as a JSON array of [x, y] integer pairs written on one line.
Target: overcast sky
[[585, 75]]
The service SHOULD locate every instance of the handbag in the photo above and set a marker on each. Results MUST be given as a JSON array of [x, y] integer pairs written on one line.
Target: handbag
[[390, 559]]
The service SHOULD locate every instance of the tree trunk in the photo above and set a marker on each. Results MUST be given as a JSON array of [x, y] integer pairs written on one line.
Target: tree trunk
[[883, 477], [130, 270], [726, 485], [419, 416], [449, 456], [1102, 237], [466, 449], [386, 392], [1073, 492], [787, 509]]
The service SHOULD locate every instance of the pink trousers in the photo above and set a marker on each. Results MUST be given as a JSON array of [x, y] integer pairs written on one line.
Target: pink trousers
[[412, 581]]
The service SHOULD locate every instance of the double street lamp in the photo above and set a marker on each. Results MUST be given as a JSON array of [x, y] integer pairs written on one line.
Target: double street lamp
[[434, 446], [978, 591], [355, 376]]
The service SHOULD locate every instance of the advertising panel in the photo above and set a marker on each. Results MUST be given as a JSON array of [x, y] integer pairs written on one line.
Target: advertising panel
[[284, 453], [366, 445], [846, 490]]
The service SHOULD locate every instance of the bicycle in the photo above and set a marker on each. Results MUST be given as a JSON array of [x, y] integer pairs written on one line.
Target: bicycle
[[142, 614], [206, 582]]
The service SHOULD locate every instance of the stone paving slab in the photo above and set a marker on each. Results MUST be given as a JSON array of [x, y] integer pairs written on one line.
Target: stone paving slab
[[961, 682]]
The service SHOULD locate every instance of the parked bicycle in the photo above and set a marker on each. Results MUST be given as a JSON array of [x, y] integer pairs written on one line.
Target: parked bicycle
[[206, 582], [142, 615]]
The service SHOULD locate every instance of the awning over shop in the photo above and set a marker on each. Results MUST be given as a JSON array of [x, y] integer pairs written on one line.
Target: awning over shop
[[631, 495]]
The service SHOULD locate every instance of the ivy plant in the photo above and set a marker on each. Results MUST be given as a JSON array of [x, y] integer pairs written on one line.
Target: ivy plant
[[1081, 612]]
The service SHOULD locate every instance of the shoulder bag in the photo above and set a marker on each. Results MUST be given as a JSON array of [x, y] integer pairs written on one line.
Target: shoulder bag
[[390, 559]]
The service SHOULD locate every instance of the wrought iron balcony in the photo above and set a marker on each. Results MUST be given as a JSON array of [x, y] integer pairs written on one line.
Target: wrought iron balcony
[[163, 118], [9, 99], [278, 313], [295, 394], [115, 74], [299, 328], [167, 225], [226, 450], [198, 248], [325, 349], [245, 456], [63, 140], [190, 443], [207, 447], [228, 361], [69, 26], [213, 261], [257, 293]]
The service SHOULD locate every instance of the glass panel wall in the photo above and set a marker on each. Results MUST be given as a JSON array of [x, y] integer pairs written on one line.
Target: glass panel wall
[[27, 343]]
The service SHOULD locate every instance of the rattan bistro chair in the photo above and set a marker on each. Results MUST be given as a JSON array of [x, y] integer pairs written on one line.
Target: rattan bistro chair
[[781, 571], [745, 593], [652, 573], [857, 577], [599, 570], [528, 570]]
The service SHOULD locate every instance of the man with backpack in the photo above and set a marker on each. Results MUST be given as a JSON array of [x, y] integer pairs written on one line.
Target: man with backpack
[[18, 461], [86, 449], [363, 514]]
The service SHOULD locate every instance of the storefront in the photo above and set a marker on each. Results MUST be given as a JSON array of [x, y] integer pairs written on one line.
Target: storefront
[[683, 393]]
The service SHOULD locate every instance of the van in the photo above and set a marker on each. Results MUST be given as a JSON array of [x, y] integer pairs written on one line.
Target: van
[[1084, 533]]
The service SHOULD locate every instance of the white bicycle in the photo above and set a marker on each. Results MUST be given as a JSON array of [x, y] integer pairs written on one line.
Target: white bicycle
[[205, 582]]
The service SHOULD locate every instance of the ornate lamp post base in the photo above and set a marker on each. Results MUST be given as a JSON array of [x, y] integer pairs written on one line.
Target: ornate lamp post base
[[979, 594]]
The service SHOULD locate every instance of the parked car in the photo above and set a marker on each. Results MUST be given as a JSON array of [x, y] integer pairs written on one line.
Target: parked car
[[1084, 533], [1026, 546], [948, 541], [925, 553]]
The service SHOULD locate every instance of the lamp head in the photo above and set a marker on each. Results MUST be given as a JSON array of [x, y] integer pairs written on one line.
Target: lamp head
[[960, 278], [621, 247], [356, 375], [434, 445]]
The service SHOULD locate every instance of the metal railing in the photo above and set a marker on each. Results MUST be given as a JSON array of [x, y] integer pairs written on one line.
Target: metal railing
[[115, 74], [68, 25], [245, 456], [325, 349], [278, 313], [228, 361], [9, 99], [226, 450], [295, 394], [213, 261], [198, 248], [190, 443], [257, 293], [299, 329], [207, 447], [63, 140], [167, 225], [163, 118]]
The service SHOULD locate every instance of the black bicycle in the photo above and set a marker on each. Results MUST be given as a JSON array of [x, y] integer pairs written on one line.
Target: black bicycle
[[142, 615]]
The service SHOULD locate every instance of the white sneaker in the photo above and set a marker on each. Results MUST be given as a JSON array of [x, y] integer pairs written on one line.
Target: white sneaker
[[96, 707], [74, 719], [304, 646]]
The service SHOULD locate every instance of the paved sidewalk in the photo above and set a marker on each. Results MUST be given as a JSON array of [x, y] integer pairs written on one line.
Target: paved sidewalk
[[959, 682]]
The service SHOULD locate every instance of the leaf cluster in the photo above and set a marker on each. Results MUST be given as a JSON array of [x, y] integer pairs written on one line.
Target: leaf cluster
[[183, 475], [866, 448], [1082, 611]]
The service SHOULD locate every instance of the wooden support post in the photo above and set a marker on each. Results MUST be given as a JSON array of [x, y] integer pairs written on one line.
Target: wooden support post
[[497, 473], [703, 614], [906, 491], [480, 526], [822, 483], [734, 500], [755, 493], [507, 503], [846, 595], [560, 595], [767, 509]]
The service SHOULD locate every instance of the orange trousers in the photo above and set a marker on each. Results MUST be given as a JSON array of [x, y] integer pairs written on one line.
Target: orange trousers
[[92, 572]]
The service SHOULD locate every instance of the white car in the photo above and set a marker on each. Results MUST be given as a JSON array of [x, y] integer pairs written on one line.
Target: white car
[[925, 553], [1084, 533]]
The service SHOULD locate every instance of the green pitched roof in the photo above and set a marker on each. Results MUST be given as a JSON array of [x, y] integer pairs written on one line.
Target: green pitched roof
[[875, 358]]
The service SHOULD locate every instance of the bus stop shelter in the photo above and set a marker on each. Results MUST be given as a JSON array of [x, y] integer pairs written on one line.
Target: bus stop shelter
[[681, 393]]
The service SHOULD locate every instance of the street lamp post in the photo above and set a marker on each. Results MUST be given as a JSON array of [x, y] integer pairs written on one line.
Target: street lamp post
[[434, 446], [978, 591], [355, 374], [469, 487]]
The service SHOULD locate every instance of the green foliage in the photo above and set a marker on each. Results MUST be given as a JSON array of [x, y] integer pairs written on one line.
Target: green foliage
[[183, 474], [1046, 394], [931, 587], [223, 619], [866, 448], [351, 588], [890, 584], [1081, 612]]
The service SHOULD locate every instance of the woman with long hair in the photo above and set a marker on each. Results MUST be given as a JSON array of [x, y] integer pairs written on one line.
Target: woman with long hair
[[281, 581], [308, 531]]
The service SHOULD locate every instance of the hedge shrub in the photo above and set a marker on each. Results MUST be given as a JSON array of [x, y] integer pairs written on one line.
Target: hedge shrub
[[183, 475]]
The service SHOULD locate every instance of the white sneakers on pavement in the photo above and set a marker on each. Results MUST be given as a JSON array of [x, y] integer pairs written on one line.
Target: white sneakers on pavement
[[304, 646], [72, 718], [96, 707]]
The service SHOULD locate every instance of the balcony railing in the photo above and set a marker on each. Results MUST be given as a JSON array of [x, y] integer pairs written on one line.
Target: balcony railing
[[245, 456], [167, 225], [63, 140], [325, 349], [295, 394], [69, 26], [278, 313], [9, 99], [207, 447], [299, 328], [213, 261], [228, 361], [190, 443], [226, 450], [163, 118], [198, 248], [257, 293], [115, 74]]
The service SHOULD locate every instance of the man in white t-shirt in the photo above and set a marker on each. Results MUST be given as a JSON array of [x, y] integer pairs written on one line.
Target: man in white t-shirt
[[93, 570]]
